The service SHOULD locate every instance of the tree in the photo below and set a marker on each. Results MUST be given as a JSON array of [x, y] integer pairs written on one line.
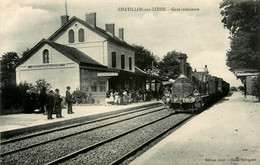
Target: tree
[[241, 18], [170, 66], [40, 84], [7, 68], [240, 15], [23, 96], [144, 59], [25, 52], [241, 53]]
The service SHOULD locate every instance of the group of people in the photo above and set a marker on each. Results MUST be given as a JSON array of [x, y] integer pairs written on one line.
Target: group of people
[[123, 97], [52, 102]]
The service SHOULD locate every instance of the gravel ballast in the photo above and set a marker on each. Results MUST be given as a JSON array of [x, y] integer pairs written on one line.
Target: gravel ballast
[[111, 151], [57, 134], [50, 151]]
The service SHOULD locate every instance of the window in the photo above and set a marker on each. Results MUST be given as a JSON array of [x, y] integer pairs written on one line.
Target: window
[[130, 63], [94, 85], [122, 61], [113, 59], [45, 56], [71, 36], [93, 88], [81, 35]]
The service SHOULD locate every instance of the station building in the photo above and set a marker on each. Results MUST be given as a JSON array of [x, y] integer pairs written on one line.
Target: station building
[[83, 56], [247, 76]]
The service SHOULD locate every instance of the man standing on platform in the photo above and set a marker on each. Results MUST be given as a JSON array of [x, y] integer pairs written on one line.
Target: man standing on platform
[[69, 100], [50, 105], [57, 103], [43, 100]]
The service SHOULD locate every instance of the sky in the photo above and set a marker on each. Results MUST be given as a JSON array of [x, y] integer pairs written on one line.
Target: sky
[[200, 33]]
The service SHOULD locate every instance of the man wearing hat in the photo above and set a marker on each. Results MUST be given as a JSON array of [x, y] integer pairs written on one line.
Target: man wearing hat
[[57, 103], [43, 100], [50, 105], [69, 100]]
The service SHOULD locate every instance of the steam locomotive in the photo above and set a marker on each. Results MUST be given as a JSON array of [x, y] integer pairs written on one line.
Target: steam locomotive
[[192, 91]]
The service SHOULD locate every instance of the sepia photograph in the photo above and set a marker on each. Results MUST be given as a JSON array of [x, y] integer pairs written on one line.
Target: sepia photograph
[[150, 82]]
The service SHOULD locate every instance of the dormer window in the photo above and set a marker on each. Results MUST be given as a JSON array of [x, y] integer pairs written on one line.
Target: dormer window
[[81, 35], [45, 56], [71, 36]]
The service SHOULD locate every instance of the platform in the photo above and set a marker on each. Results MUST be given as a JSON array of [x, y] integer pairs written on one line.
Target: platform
[[16, 123], [226, 133]]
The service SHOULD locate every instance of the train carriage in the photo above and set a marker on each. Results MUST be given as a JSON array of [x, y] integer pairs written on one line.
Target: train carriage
[[225, 88], [213, 85], [220, 85]]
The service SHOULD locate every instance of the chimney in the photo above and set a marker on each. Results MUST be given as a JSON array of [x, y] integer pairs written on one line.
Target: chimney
[[183, 66], [121, 34], [189, 71], [91, 19], [64, 19], [183, 62], [110, 28], [206, 69]]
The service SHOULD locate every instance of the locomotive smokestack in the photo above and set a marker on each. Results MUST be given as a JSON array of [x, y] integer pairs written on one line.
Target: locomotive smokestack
[[183, 62]]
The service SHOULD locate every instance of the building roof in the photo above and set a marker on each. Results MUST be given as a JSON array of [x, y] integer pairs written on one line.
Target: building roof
[[70, 52], [95, 29], [245, 70], [168, 82], [140, 72]]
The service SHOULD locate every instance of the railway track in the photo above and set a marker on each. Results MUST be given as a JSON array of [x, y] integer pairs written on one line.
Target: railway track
[[133, 114], [68, 159], [22, 137], [147, 142], [104, 131]]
